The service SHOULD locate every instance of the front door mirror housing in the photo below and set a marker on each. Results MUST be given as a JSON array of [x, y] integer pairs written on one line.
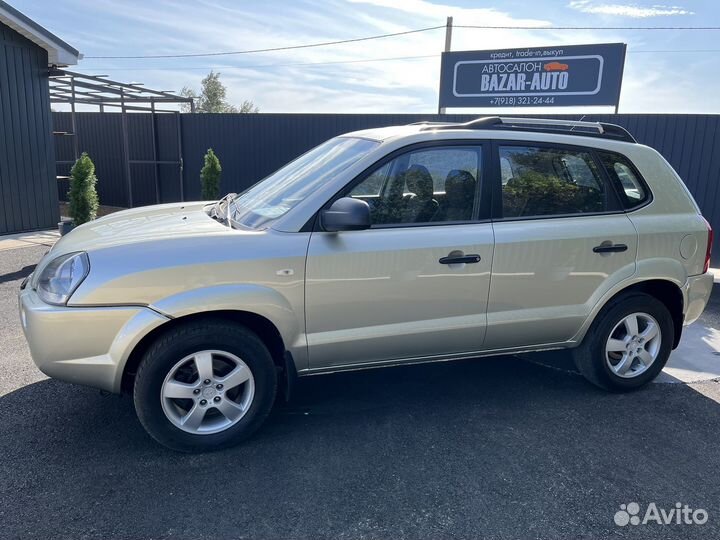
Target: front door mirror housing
[[346, 214]]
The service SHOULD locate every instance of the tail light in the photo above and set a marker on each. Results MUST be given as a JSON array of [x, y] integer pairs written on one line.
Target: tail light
[[708, 251]]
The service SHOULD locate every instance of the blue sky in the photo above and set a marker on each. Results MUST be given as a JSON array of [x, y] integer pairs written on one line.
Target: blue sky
[[654, 81]]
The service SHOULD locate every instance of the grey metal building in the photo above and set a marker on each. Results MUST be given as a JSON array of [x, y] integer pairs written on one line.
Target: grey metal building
[[28, 185]]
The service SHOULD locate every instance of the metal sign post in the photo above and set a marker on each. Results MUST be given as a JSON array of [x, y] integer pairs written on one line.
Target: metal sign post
[[448, 48], [622, 72]]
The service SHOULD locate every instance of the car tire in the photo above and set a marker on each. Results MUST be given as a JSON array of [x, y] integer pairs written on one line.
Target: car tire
[[180, 410], [611, 356]]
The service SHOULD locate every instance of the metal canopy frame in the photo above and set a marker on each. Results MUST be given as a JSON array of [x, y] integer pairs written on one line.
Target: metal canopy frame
[[72, 88]]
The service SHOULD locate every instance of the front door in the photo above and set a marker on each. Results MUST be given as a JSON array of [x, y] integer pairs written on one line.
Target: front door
[[561, 242], [415, 285]]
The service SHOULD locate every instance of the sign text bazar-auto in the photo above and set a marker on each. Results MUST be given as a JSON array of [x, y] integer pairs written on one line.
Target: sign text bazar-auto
[[533, 76]]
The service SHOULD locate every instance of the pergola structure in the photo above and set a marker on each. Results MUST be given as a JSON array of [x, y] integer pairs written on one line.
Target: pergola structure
[[72, 88]]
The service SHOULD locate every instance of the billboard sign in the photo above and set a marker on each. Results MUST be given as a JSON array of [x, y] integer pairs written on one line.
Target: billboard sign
[[563, 76]]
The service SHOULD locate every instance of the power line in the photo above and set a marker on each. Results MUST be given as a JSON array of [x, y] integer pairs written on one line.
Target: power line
[[587, 27], [272, 49], [341, 62], [394, 34], [678, 51]]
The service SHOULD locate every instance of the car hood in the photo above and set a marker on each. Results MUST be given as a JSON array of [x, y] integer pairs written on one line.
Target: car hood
[[148, 223]]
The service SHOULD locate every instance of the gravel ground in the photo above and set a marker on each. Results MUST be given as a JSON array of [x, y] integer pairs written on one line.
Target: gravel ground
[[495, 448]]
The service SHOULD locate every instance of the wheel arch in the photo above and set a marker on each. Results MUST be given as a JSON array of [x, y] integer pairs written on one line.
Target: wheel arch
[[666, 291], [260, 325]]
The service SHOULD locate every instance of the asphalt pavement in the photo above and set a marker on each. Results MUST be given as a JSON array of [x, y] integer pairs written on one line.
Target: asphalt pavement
[[489, 448]]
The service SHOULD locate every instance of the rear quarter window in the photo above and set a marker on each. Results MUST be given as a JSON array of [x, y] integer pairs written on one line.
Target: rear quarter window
[[631, 188]]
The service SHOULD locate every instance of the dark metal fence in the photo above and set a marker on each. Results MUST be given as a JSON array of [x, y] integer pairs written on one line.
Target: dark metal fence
[[251, 146]]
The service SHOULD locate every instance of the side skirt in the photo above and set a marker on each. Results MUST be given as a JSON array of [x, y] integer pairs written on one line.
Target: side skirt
[[429, 359]]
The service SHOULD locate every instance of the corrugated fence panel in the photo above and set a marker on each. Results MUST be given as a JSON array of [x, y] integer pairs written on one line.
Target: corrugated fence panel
[[251, 146], [28, 194], [101, 136]]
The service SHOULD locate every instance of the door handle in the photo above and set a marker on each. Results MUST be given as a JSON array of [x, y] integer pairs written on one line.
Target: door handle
[[610, 248], [460, 259]]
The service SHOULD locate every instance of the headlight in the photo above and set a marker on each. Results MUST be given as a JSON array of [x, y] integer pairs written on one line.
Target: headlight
[[61, 277]]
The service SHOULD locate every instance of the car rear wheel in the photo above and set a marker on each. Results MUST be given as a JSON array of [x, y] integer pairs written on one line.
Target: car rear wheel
[[628, 344], [205, 386]]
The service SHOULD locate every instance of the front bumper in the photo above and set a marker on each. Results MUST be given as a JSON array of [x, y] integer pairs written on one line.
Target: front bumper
[[84, 345], [697, 293]]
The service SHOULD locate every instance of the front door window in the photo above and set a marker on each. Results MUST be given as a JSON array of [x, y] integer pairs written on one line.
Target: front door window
[[432, 185]]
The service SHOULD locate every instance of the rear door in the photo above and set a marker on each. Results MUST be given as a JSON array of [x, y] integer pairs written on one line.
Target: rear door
[[415, 285], [561, 241]]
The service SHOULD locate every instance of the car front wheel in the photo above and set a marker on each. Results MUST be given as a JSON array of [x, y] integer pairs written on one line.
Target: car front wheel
[[628, 344], [204, 386]]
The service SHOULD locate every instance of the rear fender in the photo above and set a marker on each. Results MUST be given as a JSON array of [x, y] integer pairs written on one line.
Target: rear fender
[[664, 269]]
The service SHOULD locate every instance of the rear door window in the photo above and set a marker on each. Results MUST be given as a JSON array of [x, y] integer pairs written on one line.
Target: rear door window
[[546, 181]]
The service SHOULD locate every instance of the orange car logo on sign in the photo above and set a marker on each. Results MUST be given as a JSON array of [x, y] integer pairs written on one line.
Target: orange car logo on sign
[[555, 66]]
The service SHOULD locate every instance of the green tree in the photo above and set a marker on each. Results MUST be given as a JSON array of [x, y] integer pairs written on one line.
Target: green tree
[[248, 106], [83, 196], [212, 98], [210, 176]]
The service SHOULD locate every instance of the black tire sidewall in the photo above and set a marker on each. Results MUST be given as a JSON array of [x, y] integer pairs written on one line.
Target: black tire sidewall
[[184, 341], [624, 306]]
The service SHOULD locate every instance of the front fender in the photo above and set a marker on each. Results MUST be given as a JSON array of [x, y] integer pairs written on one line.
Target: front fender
[[258, 299]]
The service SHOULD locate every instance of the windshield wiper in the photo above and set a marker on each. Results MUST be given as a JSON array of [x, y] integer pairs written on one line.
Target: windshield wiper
[[219, 210]]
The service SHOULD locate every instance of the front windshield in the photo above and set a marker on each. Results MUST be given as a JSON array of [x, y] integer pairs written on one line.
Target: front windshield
[[274, 196]]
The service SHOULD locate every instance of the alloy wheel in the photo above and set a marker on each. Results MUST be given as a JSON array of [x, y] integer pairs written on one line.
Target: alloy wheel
[[207, 392], [633, 345]]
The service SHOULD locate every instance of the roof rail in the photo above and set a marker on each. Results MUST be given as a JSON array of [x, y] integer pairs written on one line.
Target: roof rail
[[427, 123], [566, 127]]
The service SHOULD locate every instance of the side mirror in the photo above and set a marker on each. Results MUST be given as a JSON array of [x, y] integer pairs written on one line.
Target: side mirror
[[346, 214]]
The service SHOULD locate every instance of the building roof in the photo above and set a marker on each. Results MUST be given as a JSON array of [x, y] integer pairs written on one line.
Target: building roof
[[59, 52]]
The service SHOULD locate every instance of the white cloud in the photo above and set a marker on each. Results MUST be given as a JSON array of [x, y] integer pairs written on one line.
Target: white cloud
[[402, 85], [629, 10], [436, 13], [649, 89]]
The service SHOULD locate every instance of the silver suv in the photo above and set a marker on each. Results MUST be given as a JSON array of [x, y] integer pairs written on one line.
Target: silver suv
[[381, 247]]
